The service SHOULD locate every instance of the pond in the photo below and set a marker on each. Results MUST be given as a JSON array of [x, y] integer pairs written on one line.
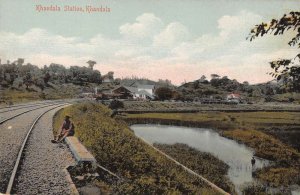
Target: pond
[[236, 155]]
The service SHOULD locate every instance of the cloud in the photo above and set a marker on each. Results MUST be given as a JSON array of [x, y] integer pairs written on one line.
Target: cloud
[[238, 24], [173, 34], [149, 48], [145, 26]]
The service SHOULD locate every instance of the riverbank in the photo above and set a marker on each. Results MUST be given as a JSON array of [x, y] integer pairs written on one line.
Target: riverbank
[[202, 163], [142, 169], [171, 106], [239, 126], [282, 125], [286, 168]]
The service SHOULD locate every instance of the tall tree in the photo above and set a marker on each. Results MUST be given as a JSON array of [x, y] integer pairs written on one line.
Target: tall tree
[[214, 76], [163, 93], [91, 64], [286, 70]]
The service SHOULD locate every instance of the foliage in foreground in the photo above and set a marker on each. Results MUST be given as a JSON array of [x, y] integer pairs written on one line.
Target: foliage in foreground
[[114, 145], [286, 70]]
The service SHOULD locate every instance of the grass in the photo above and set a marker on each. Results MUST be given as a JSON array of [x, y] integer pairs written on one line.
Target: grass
[[258, 130], [34, 94], [240, 119], [15, 96], [266, 146], [202, 163], [285, 171], [114, 145]]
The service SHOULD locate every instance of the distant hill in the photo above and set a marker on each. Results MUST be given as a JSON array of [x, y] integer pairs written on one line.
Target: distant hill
[[144, 81], [219, 88]]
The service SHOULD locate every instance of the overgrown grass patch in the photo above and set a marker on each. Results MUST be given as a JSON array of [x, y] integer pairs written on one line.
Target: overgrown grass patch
[[286, 169], [53, 92], [237, 119], [202, 163]]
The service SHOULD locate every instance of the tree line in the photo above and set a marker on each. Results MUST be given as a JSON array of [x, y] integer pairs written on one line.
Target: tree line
[[17, 75]]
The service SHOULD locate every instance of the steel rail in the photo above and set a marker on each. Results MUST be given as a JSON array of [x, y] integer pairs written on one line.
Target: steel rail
[[17, 164], [24, 104], [9, 118], [27, 106]]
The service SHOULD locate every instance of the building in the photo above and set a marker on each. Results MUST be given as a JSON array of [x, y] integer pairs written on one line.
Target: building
[[234, 97], [148, 88], [125, 92], [141, 92], [143, 95]]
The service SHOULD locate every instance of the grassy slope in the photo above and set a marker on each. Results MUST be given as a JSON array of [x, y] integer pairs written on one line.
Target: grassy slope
[[115, 147], [34, 94], [241, 126], [201, 162]]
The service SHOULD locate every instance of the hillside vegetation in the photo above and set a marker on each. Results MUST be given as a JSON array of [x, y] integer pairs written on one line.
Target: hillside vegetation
[[114, 145], [21, 83], [25, 82]]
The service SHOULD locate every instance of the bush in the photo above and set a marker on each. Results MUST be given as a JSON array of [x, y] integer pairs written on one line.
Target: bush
[[116, 104]]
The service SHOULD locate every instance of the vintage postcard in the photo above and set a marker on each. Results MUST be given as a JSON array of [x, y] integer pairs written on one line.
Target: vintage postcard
[[150, 97]]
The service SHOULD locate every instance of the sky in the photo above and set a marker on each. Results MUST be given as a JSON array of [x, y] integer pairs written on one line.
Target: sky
[[179, 40]]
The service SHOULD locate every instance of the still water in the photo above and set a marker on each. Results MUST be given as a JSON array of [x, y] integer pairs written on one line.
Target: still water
[[236, 155]]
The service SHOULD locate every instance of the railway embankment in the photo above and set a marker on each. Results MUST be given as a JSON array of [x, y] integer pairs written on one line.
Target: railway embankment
[[142, 169]]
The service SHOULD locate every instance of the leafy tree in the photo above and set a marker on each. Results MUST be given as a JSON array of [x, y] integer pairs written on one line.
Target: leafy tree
[[246, 83], [47, 78], [163, 93], [28, 80], [94, 77], [203, 77], [286, 70], [20, 61], [214, 76], [117, 81], [196, 84], [116, 104], [91, 64]]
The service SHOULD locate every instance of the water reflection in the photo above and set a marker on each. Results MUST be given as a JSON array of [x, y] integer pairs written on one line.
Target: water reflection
[[236, 155]]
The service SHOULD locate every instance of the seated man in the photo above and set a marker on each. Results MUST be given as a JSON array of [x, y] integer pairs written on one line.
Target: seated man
[[67, 129]]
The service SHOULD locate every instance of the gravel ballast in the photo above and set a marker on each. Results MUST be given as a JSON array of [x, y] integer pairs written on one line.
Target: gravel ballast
[[12, 134], [42, 171]]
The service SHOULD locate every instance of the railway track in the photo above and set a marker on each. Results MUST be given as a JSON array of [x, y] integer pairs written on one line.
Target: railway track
[[7, 118], [25, 104], [19, 107], [13, 142]]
